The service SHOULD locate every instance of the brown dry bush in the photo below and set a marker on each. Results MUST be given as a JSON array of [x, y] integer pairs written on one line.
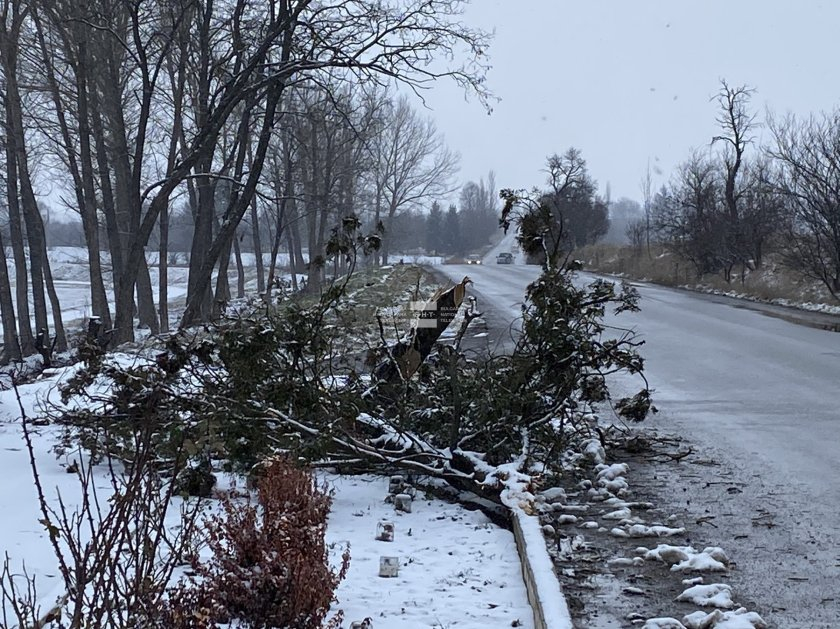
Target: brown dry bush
[[270, 565]]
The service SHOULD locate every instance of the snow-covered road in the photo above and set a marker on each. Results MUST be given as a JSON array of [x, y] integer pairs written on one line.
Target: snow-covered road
[[760, 398]]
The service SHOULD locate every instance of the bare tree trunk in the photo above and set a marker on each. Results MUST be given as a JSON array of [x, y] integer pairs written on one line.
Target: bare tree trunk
[[83, 179], [313, 273], [163, 270], [99, 300], [377, 219], [37, 250], [279, 225], [240, 203], [108, 209], [257, 241], [275, 249], [26, 339], [291, 215], [16, 150], [201, 295], [202, 237], [11, 346], [295, 254], [222, 295], [237, 155], [145, 299], [126, 204], [389, 225], [240, 269], [60, 336]]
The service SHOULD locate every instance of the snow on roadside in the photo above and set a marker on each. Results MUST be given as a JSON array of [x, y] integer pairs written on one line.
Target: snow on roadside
[[779, 301], [456, 568], [685, 558], [524, 507], [711, 595], [610, 488], [549, 592], [736, 619]]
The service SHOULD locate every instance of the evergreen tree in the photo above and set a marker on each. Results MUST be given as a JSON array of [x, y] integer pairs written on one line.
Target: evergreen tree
[[451, 241], [434, 229], [479, 214]]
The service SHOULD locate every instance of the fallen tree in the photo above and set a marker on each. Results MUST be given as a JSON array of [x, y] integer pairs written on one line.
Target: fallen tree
[[278, 382]]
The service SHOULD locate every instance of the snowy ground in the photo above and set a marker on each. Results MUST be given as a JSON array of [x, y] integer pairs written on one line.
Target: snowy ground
[[23, 537], [456, 568], [69, 267]]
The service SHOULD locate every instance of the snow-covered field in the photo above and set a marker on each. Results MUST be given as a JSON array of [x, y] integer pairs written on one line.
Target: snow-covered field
[[69, 267], [70, 274]]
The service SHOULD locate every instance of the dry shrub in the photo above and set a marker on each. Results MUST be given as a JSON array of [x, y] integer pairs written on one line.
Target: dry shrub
[[771, 281], [270, 564]]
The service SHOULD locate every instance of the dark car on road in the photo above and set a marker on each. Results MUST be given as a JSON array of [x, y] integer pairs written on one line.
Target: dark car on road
[[504, 258]]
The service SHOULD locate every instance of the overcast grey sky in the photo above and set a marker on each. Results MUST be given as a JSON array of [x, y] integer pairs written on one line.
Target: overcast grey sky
[[630, 80]]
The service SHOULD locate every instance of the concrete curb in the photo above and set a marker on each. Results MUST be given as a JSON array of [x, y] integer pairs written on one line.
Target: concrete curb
[[544, 592]]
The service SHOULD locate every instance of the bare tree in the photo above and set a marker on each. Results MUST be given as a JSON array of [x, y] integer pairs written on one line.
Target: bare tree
[[636, 232], [325, 135], [11, 346], [646, 186], [624, 212], [412, 164], [355, 41], [685, 214], [76, 141], [138, 99], [20, 190], [808, 154], [479, 212], [720, 211], [572, 196], [24, 322], [736, 123]]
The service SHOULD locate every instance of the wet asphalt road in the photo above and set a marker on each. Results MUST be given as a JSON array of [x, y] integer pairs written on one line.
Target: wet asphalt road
[[758, 398]]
